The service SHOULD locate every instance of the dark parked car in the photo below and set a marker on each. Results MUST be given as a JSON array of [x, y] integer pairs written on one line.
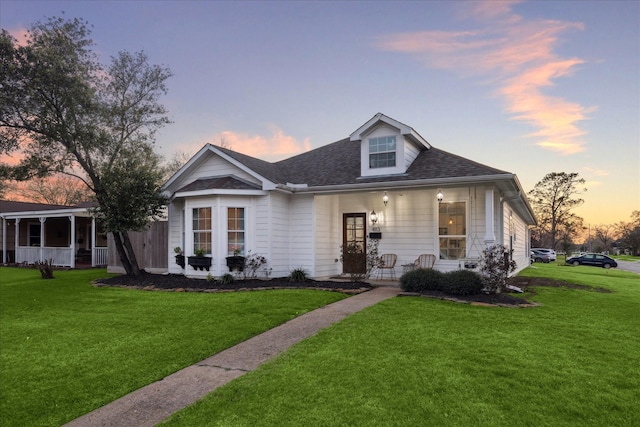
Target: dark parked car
[[597, 260], [540, 256]]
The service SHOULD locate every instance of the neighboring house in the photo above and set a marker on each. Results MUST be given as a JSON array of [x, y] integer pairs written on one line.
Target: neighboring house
[[67, 235], [300, 211]]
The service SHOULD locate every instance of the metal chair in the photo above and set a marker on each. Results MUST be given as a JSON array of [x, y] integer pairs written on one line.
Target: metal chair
[[387, 262], [425, 261]]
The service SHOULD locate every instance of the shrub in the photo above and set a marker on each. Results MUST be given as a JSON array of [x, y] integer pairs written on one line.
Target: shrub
[[45, 267], [252, 263], [227, 279], [462, 282], [495, 267], [298, 275], [422, 279]]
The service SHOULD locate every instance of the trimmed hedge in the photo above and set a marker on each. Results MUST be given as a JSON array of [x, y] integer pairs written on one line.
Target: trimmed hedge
[[422, 279], [462, 282], [458, 282]]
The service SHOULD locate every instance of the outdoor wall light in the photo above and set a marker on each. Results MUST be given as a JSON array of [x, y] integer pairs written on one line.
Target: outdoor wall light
[[373, 217], [440, 196], [385, 198]]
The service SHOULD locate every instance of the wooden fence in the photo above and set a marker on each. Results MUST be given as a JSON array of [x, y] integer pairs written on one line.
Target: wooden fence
[[150, 246]]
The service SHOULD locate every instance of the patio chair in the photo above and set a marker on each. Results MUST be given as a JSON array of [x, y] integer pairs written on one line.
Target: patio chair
[[425, 261], [387, 263]]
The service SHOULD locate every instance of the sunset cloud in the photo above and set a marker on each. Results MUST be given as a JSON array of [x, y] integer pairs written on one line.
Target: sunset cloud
[[515, 56], [272, 147]]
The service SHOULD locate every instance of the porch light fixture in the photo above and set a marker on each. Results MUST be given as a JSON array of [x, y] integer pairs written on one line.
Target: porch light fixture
[[373, 217], [440, 196], [385, 198]]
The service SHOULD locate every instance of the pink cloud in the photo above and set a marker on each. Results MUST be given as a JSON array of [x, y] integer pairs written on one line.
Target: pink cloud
[[20, 34], [273, 147], [513, 54]]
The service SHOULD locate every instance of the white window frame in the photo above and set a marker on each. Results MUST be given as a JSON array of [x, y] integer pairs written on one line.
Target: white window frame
[[384, 141], [197, 245], [235, 245], [456, 237]]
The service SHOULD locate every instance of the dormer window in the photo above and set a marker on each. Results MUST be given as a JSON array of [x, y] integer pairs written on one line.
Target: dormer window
[[382, 152]]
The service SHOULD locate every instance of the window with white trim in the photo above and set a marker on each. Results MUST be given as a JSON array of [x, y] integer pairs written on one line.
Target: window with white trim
[[202, 230], [452, 230], [382, 152], [235, 231]]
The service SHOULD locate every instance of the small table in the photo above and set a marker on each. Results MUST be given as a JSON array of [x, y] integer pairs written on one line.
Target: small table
[[408, 267]]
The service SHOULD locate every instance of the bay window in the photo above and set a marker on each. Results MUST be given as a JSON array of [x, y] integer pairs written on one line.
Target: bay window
[[235, 231], [202, 230]]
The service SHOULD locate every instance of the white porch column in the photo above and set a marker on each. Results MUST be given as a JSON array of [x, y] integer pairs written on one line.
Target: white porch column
[[42, 221], [72, 244], [489, 214], [17, 241], [93, 242], [4, 240]]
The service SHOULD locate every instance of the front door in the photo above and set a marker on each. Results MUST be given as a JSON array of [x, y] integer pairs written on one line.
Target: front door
[[354, 243]]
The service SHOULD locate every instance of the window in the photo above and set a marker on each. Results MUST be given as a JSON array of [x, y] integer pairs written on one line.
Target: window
[[34, 234], [235, 231], [202, 230], [382, 152], [452, 230]]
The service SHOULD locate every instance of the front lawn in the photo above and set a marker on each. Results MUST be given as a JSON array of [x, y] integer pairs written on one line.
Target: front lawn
[[68, 348], [415, 361]]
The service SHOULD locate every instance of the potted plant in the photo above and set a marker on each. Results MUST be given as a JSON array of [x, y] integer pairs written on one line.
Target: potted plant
[[179, 256], [236, 262], [199, 261]]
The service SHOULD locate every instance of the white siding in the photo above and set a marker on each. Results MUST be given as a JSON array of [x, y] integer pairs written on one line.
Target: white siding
[[176, 233], [302, 233], [279, 234], [328, 236]]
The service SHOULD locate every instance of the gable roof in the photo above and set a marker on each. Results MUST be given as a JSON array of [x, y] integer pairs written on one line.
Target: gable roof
[[407, 131], [227, 182]]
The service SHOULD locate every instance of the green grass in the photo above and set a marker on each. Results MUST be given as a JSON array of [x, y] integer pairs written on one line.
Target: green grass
[[68, 348], [574, 361]]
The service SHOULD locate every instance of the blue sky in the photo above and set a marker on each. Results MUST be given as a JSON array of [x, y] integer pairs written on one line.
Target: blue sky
[[527, 87]]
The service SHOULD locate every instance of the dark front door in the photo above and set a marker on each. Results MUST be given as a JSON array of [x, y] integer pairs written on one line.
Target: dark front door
[[354, 243]]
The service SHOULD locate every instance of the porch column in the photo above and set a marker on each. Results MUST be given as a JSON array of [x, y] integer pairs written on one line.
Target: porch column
[[17, 241], [93, 242], [4, 240], [72, 244], [489, 234], [42, 234]]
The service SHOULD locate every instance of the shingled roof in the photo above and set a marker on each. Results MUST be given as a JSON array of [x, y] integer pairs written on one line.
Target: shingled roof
[[220, 183], [339, 164]]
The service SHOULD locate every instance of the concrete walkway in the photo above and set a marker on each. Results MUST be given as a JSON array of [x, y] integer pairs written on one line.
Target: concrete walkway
[[157, 401]]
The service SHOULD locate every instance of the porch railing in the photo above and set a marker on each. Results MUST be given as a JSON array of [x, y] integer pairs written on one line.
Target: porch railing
[[30, 254], [100, 256]]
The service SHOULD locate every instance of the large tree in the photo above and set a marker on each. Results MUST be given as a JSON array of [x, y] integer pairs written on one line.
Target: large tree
[[629, 233], [553, 199], [56, 190], [65, 111]]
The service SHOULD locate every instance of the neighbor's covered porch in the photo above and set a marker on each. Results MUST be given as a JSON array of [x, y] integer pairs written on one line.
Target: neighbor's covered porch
[[70, 238]]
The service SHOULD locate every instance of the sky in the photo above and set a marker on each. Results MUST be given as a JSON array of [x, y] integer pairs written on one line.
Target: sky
[[529, 87]]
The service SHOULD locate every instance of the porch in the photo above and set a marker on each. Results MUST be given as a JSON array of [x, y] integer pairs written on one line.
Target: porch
[[68, 237]]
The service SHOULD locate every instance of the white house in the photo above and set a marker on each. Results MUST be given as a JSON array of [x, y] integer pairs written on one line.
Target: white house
[[298, 212]]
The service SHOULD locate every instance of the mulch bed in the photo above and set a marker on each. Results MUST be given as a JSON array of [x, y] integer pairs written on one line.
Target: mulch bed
[[176, 282], [179, 283]]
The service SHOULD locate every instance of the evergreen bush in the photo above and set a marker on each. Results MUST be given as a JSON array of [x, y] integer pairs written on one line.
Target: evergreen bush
[[422, 279]]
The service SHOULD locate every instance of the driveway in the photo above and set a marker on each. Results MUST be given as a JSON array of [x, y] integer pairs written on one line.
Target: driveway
[[633, 266]]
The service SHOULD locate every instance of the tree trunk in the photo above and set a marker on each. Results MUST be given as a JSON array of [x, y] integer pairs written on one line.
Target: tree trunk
[[135, 269], [130, 264]]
